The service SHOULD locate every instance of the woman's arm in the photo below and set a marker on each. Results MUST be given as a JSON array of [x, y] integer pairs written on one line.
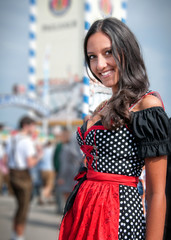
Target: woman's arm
[[155, 195]]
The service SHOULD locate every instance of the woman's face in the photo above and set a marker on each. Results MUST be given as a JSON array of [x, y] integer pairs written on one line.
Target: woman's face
[[102, 63]]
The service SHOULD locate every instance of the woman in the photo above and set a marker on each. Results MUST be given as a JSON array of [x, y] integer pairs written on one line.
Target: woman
[[127, 131]]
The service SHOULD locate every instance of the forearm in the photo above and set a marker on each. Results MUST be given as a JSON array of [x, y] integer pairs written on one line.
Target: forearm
[[32, 162], [156, 209]]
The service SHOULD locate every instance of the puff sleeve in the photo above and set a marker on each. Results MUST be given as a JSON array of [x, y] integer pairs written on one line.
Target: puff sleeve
[[152, 130]]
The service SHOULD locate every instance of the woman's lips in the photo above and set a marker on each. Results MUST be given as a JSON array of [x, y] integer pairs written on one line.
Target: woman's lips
[[106, 73]]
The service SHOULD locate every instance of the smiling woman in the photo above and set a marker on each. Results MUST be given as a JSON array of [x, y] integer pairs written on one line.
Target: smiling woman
[[102, 63], [124, 59], [125, 133]]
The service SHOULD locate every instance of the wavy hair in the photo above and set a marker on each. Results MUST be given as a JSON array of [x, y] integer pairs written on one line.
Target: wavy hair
[[133, 79]]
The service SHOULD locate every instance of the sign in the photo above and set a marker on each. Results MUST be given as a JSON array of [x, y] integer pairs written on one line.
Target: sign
[[59, 57], [26, 102]]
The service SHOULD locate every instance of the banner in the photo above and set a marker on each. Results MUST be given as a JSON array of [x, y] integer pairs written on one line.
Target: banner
[[59, 57], [58, 53]]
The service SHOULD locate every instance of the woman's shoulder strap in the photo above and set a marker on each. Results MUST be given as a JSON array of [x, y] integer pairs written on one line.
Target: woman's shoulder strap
[[100, 106], [150, 92]]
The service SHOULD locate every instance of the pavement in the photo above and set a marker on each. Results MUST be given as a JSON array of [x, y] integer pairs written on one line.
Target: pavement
[[43, 222]]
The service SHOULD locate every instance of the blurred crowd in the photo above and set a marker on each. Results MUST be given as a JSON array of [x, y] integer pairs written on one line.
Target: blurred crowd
[[53, 175], [44, 171]]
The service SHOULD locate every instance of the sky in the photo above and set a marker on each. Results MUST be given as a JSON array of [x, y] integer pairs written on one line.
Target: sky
[[13, 53], [148, 19]]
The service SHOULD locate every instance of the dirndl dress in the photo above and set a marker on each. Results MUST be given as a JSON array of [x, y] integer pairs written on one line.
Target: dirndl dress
[[108, 205]]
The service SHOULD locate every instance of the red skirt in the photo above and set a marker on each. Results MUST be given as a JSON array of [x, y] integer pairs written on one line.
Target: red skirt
[[95, 212]]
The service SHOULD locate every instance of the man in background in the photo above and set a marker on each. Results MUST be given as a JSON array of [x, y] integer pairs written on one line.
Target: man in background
[[21, 155]]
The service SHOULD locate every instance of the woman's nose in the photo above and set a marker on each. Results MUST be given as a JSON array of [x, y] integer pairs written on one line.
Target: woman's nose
[[101, 63]]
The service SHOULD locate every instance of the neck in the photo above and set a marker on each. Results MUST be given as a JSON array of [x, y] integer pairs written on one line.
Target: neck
[[24, 132]]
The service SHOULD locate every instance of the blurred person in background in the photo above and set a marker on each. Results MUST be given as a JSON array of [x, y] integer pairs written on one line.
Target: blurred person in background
[[47, 173], [56, 163], [21, 156], [35, 171], [3, 166], [142, 189], [58, 145], [70, 159], [36, 181]]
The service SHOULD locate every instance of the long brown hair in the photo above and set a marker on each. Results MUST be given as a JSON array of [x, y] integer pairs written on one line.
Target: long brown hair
[[133, 79]]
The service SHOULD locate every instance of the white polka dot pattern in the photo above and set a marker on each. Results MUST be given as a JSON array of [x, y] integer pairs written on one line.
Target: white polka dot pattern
[[131, 218], [116, 151]]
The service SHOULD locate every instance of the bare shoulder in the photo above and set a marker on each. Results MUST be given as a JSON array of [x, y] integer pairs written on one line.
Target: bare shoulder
[[150, 101]]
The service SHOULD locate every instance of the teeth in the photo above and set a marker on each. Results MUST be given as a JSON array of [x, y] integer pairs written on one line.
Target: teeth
[[105, 73]]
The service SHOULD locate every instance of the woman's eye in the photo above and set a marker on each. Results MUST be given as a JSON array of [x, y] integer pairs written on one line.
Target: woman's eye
[[108, 52], [91, 57]]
